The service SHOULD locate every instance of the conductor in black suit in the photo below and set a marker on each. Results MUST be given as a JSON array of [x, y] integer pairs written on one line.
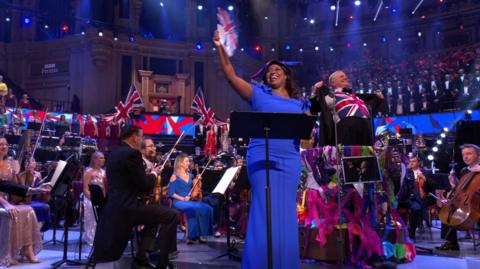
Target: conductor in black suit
[[126, 208]]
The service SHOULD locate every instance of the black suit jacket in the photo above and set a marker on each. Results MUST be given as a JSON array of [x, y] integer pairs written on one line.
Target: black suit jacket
[[128, 183], [13, 188]]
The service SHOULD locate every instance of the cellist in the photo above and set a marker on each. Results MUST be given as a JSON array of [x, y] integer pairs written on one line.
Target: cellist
[[471, 157]]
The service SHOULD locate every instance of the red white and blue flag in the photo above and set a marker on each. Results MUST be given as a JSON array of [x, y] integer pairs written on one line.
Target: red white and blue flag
[[133, 101], [227, 31], [207, 116], [349, 105]]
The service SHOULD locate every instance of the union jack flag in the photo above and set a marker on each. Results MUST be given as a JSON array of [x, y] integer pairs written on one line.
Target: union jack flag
[[207, 116], [226, 30], [349, 105], [133, 101]]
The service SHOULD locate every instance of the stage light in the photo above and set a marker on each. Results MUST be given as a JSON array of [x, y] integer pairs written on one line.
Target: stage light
[[364, 44], [317, 48], [266, 18], [419, 34], [131, 38], [273, 49], [230, 8], [65, 28], [7, 19], [288, 47], [242, 49], [214, 49], [82, 32], [349, 45], [312, 21], [333, 7], [331, 49], [383, 39], [461, 26], [443, 135], [394, 11], [115, 38], [439, 142], [351, 17], [198, 46], [162, 4], [357, 3], [399, 39], [100, 33], [445, 129], [430, 157], [200, 7], [300, 49], [423, 17], [469, 111], [258, 48], [435, 149], [46, 26], [27, 20]]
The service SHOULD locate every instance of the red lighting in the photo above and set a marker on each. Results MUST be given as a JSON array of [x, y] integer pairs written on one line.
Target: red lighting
[[351, 17], [423, 17], [258, 48], [461, 26], [65, 27], [349, 45]]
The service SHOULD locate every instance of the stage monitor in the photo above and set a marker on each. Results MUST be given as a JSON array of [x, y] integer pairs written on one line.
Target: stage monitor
[[362, 169]]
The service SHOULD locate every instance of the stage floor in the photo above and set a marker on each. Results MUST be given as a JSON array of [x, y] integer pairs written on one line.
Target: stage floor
[[203, 255]]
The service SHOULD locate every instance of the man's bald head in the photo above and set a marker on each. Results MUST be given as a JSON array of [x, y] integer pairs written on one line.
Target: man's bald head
[[339, 79]]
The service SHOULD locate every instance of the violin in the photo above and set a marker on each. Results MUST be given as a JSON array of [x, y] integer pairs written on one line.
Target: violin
[[196, 193]]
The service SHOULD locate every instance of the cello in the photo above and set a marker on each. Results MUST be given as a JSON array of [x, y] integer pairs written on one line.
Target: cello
[[462, 212]]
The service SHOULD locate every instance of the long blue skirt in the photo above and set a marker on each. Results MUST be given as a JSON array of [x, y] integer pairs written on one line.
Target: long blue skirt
[[285, 172], [199, 218]]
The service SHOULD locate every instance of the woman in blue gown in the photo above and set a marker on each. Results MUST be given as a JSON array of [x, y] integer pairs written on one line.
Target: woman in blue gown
[[277, 94], [199, 214]]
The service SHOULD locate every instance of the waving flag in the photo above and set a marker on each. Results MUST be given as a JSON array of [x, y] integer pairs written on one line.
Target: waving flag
[[133, 101], [349, 105], [207, 116], [227, 31]]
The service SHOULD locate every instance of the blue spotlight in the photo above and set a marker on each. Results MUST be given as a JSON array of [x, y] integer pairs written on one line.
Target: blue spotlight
[[358, 2], [317, 48], [7, 19], [399, 39], [198, 46], [333, 7], [131, 38], [394, 11], [27, 20], [312, 21], [230, 8], [200, 7], [331, 48], [383, 39], [162, 4], [46, 26], [364, 44], [288, 47]]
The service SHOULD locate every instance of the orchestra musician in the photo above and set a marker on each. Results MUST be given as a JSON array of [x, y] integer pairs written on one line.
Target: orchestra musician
[[471, 157], [95, 175], [413, 198], [199, 214], [125, 207]]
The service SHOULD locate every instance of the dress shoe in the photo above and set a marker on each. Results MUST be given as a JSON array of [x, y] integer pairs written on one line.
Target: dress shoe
[[144, 263], [448, 246], [202, 240]]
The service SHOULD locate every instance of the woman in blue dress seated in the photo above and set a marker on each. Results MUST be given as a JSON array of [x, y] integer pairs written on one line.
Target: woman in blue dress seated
[[199, 214]]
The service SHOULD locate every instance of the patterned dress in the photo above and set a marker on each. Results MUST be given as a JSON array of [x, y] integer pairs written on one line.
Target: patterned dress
[[90, 224]]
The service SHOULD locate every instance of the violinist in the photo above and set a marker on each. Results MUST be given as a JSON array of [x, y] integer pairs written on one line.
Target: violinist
[[471, 157], [148, 153], [199, 214], [32, 178], [413, 197]]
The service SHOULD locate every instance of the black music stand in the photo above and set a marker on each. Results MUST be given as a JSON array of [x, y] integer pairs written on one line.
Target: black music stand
[[62, 189], [270, 125]]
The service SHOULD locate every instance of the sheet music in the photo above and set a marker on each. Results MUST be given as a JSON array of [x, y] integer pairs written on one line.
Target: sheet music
[[58, 171], [226, 179]]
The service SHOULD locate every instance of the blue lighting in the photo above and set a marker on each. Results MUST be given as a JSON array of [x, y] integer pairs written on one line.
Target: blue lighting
[[230, 8], [383, 39], [131, 38], [27, 20], [333, 7], [200, 7], [394, 10], [198, 46], [357, 3], [162, 4], [288, 47]]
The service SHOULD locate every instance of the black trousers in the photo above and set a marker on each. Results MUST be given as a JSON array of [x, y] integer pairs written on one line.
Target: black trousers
[[156, 219], [449, 233]]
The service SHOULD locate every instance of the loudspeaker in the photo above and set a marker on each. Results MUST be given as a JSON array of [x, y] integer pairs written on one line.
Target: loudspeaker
[[467, 132]]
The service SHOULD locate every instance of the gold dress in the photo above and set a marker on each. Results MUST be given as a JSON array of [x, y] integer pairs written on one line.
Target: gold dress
[[15, 233]]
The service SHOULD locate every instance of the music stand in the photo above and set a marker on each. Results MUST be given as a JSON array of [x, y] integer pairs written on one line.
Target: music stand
[[61, 189], [270, 125], [36, 126]]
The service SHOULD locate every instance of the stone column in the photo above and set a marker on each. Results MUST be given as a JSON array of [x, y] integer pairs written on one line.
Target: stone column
[[146, 78]]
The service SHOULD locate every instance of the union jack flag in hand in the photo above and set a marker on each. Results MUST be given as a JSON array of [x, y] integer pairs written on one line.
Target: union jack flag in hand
[[207, 116], [226, 30], [349, 105]]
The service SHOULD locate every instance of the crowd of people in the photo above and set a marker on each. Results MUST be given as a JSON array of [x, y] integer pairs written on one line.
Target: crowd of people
[[419, 83]]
